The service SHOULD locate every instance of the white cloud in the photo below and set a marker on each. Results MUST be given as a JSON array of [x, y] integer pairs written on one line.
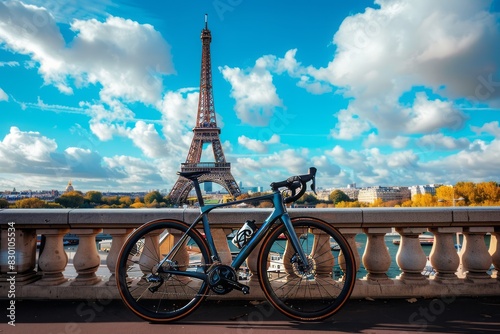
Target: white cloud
[[9, 63], [439, 141], [31, 153], [254, 92], [478, 163], [258, 146], [148, 140], [20, 147], [427, 116], [384, 53], [375, 140], [98, 54], [135, 171], [491, 128], [3, 95]]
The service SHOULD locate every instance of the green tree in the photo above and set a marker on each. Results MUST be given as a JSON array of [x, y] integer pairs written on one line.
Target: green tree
[[308, 199], [153, 196], [338, 196], [4, 203], [72, 199], [93, 197], [111, 200]]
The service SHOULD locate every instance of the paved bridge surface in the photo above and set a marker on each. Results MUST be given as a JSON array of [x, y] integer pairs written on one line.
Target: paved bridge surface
[[445, 315]]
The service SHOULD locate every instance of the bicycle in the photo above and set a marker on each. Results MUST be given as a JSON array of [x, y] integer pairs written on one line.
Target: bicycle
[[306, 268]]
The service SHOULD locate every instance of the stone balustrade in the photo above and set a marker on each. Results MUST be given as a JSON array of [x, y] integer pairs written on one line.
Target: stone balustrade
[[471, 271]]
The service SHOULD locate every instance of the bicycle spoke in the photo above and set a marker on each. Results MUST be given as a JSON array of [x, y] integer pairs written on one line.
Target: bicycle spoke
[[313, 290], [160, 294]]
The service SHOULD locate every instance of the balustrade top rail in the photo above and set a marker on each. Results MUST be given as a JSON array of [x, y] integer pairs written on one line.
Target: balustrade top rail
[[342, 218]]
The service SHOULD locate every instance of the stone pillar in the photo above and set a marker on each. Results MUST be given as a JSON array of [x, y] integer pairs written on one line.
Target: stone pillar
[[321, 253], [220, 240], [87, 259], [495, 251], [475, 258], [411, 258], [444, 257], [350, 235], [24, 251], [118, 239], [53, 259], [253, 265], [376, 258], [150, 254]]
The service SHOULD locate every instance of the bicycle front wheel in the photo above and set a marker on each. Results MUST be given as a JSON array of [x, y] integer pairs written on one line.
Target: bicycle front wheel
[[307, 292], [169, 292]]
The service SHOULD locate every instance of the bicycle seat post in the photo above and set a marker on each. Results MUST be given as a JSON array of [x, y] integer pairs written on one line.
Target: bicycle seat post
[[197, 188]]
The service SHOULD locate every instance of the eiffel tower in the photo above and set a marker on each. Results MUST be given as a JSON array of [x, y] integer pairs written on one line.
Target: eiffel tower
[[206, 131]]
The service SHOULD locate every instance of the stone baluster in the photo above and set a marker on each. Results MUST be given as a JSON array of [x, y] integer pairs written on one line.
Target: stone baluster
[[495, 251], [87, 259], [322, 254], [150, 254], [24, 251], [410, 257], [253, 265], [118, 239], [476, 260], [350, 235], [53, 259], [376, 258], [444, 257], [220, 240]]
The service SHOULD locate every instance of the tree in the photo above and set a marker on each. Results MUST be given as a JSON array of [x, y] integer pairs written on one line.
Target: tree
[[467, 190], [487, 192], [338, 196], [4, 203], [424, 200], [377, 203], [93, 197], [30, 203], [111, 200], [72, 199], [126, 200], [308, 199], [153, 196], [445, 195]]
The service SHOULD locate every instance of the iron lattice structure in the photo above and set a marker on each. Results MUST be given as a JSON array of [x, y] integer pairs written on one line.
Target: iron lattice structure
[[205, 131]]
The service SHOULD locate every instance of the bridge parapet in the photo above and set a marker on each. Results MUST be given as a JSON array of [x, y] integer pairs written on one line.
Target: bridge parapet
[[58, 272]]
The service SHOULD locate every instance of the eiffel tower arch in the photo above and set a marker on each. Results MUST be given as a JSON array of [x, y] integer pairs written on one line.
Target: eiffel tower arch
[[205, 132]]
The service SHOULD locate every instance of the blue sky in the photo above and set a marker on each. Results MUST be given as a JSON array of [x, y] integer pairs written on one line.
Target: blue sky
[[386, 92]]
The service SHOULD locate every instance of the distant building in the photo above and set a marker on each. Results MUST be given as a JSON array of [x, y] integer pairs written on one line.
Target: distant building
[[69, 187], [386, 194], [421, 190]]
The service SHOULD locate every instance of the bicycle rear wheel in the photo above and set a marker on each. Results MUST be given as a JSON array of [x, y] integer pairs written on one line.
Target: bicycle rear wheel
[[307, 294], [157, 296]]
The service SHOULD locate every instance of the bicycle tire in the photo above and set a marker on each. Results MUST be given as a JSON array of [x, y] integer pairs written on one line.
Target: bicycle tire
[[177, 295], [318, 293]]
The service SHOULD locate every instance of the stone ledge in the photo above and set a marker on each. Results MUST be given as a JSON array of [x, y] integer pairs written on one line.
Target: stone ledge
[[362, 289]]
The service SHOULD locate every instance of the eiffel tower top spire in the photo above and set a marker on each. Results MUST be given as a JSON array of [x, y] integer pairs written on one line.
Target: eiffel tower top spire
[[206, 110]]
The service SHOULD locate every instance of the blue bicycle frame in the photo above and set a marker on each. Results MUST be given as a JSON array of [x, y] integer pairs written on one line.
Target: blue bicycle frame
[[279, 213]]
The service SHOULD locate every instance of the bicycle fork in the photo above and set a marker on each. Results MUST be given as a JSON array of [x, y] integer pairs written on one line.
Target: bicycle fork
[[301, 260]]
